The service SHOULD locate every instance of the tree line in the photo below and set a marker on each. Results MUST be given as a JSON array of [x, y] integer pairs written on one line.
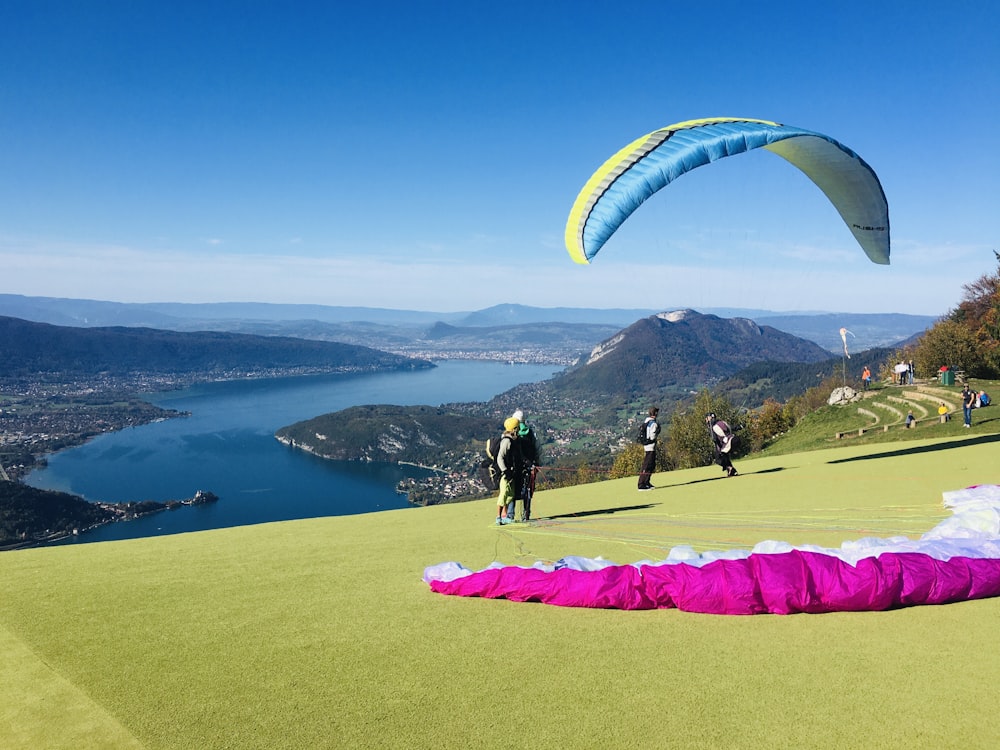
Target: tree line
[[967, 338]]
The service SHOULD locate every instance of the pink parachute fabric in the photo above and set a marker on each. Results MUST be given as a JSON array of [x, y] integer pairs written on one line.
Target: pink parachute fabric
[[957, 560]]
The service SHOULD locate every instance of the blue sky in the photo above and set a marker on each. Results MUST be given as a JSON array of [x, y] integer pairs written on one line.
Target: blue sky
[[425, 155]]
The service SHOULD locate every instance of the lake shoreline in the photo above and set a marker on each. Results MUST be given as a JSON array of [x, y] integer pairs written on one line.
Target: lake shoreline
[[228, 444]]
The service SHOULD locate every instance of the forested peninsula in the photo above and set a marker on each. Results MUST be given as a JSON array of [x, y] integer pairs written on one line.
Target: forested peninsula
[[442, 439], [30, 516]]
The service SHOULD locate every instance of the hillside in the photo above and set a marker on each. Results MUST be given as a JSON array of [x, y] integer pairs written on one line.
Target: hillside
[[673, 353], [424, 435], [880, 416], [780, 381], [27, 348], [27, 513]]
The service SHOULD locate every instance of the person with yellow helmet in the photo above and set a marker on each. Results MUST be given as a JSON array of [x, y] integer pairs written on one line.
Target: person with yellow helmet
[[505, 460]]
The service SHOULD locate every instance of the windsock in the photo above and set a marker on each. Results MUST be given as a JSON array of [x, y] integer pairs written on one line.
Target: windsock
[[843, 335]]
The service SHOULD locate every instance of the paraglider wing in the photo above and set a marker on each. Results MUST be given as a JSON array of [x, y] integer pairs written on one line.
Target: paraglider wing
[[652, 162], [957, 560]]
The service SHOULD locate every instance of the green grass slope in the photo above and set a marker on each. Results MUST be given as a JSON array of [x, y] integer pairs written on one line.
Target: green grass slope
[[321, 634], [880, 417]]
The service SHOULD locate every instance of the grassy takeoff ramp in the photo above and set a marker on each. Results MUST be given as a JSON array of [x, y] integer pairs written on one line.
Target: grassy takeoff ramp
[[320, 633]]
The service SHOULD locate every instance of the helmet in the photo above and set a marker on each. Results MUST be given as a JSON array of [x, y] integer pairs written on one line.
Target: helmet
[[510, 424], [518, 415], [710, 415]]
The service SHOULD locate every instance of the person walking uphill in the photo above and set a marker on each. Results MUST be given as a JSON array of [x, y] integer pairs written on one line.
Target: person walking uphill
[[506, 456], [649, 434], [722, 439]]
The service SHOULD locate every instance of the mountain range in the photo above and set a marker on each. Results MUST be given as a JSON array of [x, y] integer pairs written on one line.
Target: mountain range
[[568, 331], [662, 356], [28, 349]]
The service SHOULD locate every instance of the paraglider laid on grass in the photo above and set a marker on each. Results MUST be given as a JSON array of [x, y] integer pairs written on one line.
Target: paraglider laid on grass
[[652, 162], [957, 560]]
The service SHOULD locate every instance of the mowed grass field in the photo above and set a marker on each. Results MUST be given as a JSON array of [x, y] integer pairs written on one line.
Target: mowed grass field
[[321, 634]]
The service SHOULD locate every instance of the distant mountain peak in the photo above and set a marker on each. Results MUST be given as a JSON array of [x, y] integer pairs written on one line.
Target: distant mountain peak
[[676, 316], [680, 351]]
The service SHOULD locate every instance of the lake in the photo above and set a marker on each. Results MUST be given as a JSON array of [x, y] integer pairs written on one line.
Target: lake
[[227, 446]]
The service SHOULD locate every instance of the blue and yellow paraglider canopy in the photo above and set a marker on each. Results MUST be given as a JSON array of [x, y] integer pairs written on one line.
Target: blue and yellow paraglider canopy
[[652, 162]]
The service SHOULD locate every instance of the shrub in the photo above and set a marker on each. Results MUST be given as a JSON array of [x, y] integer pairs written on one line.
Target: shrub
[[763, 425], [688, 441]]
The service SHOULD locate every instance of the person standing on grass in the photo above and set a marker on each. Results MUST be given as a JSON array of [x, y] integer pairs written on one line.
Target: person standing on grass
[[968, 402], [650, 433], [866, 378], [505, 462], [527, 470]]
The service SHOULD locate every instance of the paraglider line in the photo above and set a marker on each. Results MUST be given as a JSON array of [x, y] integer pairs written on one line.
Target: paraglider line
[[743, 527]]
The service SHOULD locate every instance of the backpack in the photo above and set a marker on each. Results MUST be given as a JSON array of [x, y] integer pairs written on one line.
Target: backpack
[[489, 469], [724, 436], [640, 436]]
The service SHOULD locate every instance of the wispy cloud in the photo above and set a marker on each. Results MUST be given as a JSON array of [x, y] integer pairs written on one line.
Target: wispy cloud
[[422, 280]]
